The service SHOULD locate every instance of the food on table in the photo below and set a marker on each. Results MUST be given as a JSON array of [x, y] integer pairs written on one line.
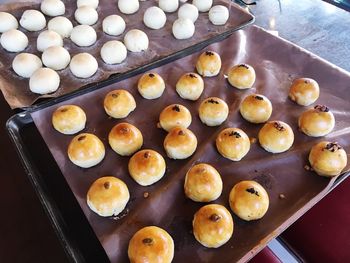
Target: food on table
[[14, 40], [151, 86], [180, 143], [25, 64], [52, 7], [83, 65], [86, 15], [32, 20], [190, 86], [209, 64], [213, 111], [56, 57], [154, 17], [83, 35], [233, 143], [203, 5], [48, 39], [256, 108], [136, 40], [93, 3], [242, 76], [304, 91], [69, 119], [188, 11], [183, 28], [8, 22], [119, 103], [128, 7], [168, 6], [175, 115], [218, 15], [113, 52], [113, 25], [44, 80], [60, 25]]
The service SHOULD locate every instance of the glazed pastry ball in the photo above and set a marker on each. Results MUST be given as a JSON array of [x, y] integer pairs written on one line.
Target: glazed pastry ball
[[317, 122], [203, 183], [218, 15], [249, 200], [304, 91], [256, 108], [32, 20], [26, 64], [188, 11], [151, 244], [83, 35], [14, 40], [241, 76], [233, 143], [119, 103], [136, 40], [276, 137], [113, 52], [69, 119], [48, 39], [113, 25], [208, 64], [328, 159], [203, 5], [183, 28], [86, 150], [52, 7], [60, 25], [92, 3], [168, 6], [83, 65], [213, 111], [8, 22], [128, 6], [86, 15], [125, 139], [151, 86], [190, 86], [147, 167], [175, 115], [154, 17], [180, 143], [44, 80], [56, 57], [212, 225], [108, 196]]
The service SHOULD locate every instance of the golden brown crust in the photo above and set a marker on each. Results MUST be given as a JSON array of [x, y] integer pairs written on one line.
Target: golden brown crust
[[151, 85], [233, 143], [304, 91], [175, 115], [256, 108], [69, 119], [213, 111], [119, 103], [180, 143], [209, 64], [241, 76], [190, 86]]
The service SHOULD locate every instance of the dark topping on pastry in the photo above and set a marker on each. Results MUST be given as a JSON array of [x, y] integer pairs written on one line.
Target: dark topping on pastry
[[181, 132], [212, 101], [215, 217], [64, 109], [333, 146], [176, 108], [147, 154], [107, 185], [81, 138], [278, 126], [259, 97], [192, 76], [115, 95], [306, 81], [201, 170], [209, 53], [124, 130], [236, 134], [321, 108], [252, 191], [151, 75], [243, 66], [147, 241]]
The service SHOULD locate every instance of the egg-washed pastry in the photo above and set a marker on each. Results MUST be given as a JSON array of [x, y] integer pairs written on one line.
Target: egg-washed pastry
[[190, 86], [175, 115], [256, 108], [213, 111], [209, 64], [304, 91], [233, 143], [151, 86], [69, 119], [119, 103], [242, 76], [180, 143]]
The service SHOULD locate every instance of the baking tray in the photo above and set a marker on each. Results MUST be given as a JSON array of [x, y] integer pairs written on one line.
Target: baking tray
[[163, 47], [277, 63]]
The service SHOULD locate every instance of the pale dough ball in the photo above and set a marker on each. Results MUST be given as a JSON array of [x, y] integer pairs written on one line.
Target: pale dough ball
[[183, 28], [83, 65], [61, 25], [25, 64], [113, 25], [188, 11], [32, 20], [8, 22], [169, 5], [48, 39], [44, 80], [154, 18], [56, 58], [203, 5], [113, 52], [136, 40], [83, 35], [92, 3], [86, 15], [128, 6], [218, 15], [52, 7], [14, 40]]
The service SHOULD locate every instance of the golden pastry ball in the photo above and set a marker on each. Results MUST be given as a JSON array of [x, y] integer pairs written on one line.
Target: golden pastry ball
[[151, 244], [151, 86], [175, 115], [180, 143], [213, 111], [249, 200], [328, 158], [190, 86], [69, 119], [203, 183], [125, 139], [241, 76], [209, 64], [304, 91], [233, 143], [108, 196], [212, 225], [119, 103], [256, 108]]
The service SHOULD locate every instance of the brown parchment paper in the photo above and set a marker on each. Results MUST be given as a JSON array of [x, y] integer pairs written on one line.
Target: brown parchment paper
[[277, 62], [162, 44]]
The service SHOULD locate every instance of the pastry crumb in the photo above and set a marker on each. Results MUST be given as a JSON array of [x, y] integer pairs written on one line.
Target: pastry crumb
[[145, 194], [282, 196], [307, 167], [252, 140]]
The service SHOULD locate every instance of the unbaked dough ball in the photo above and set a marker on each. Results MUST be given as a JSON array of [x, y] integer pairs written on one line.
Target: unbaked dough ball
[[92, 3], [14, 40], [113, 25], [213, 111], [183, 28], [128, 6], [203, 5], [68, 119], [26, 64], [44, 80], [83, 35], [218, 15], [48, 39], [60, 25], [188, 11], [56, 57], [136, 40], [169, 5], [113, 52], [8, 22], [32, 20], [83, 65], [86, 15], [154, 18], [151, 86], [52, 7]]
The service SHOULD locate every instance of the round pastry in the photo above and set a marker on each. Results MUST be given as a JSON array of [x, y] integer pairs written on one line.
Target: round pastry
[[203, 183], [188, 11], [92, 3], [113, 52], [128, 6], [256, 108], [56, 57], [69, 119], [125, 139], [86, 15], [218, 15], [147, 167], [44, 80], [203, 5], [119, 103], [154, 17], [8, 22], [61, 25], [213, 111], [233, 143], [276, 136], [242, 76], [180, 143], [249, 200], [108, 196], [14, 40], [26, 64], [83, 65], [317, 122], [32, 20], [151, 86], [304, 91], [48, 39], [208, 64], [168, 6], [183, 28], [175, 115], [151, 244], [190, 86], [86, 150], [113, 25], [136, 40], [83, 35], [52, 7], [328, 158], [212, 225]]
